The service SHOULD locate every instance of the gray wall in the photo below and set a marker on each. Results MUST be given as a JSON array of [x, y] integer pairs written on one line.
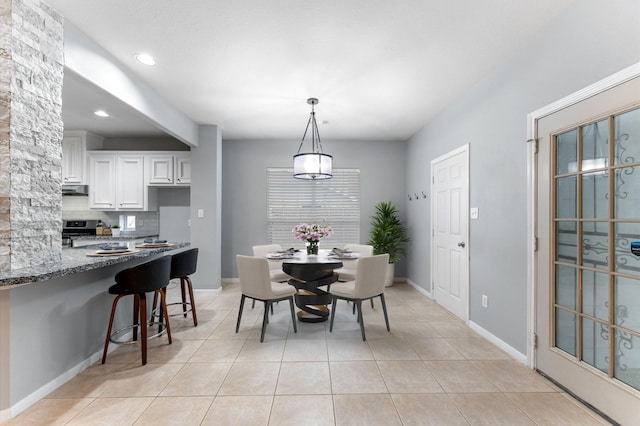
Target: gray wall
[[59, 324], [589, 42], [244, 189], [206, 187]]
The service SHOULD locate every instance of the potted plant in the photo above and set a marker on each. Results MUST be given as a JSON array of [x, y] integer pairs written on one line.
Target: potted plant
[[388, 235], [115, 230]]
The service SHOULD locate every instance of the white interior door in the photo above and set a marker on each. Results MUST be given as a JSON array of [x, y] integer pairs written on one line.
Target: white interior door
[[588, 279], [450, 231]]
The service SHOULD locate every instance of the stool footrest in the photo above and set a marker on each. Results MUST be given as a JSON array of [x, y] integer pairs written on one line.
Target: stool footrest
[[115, 334]]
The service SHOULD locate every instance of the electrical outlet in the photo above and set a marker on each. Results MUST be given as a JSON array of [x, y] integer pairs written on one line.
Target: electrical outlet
[[485, 301], [200, 213], [474, 212]]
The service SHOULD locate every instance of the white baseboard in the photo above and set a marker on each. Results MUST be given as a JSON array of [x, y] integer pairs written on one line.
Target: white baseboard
[[510, 350], [54, 384], [420, 289]]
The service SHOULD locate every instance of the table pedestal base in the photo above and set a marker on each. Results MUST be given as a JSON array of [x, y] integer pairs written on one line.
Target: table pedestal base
[[311, 300]]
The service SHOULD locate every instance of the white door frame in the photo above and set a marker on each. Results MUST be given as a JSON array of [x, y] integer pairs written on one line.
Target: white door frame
[[463, 148], [613, 80]]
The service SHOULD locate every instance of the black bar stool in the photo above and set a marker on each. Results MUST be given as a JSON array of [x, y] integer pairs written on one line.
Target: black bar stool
[[152, 276], [183, 264]]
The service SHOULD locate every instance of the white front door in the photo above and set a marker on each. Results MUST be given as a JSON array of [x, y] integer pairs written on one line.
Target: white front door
[[588, 279], [450, 231]]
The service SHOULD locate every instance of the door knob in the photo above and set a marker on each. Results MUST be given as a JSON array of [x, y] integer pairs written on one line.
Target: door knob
[[461, 244]]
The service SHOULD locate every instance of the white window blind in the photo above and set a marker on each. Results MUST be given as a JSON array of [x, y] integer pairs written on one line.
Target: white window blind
[[334, 202]]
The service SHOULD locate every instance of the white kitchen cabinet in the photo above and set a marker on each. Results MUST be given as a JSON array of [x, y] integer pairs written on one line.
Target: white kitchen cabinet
[[117, 182], [168, 169], [160, 169], [73, 157], [130, 187], [183, 169], [102, 182]]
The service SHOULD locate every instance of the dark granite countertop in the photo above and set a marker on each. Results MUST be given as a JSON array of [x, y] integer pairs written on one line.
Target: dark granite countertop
[[122, 236], [75, 260]]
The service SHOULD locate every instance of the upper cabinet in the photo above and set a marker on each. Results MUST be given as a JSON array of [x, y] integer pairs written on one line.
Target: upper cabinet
[[74, 144], [168, 169], [116, 182]]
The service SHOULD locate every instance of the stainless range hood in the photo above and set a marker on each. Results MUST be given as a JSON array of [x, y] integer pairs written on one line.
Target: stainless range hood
[[75, 190]]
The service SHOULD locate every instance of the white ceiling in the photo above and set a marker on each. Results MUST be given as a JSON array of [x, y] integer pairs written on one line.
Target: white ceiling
[[381, 68]]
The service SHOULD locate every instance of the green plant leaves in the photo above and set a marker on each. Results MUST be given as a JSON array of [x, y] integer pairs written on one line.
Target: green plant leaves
[[388, 234]]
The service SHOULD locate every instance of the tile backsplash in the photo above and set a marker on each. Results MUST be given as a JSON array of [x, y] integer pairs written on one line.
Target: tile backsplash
[[73, 207]]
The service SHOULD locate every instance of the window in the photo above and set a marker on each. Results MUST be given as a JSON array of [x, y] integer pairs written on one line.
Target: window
[[127, 222], [335, 201]]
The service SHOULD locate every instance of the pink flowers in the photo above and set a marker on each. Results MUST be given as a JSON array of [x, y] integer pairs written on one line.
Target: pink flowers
[[311, 232]]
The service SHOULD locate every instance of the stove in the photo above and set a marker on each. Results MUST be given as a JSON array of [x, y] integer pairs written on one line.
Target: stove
[[77, 228]]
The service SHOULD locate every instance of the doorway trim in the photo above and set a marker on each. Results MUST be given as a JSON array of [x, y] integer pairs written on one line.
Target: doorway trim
[[607, 83]]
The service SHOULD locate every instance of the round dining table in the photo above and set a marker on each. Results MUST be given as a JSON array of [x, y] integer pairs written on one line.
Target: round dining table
[[310, 272]]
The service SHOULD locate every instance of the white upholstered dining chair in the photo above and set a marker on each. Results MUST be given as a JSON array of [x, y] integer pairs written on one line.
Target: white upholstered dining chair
[[349, 268], [275, 267], [369, 283], [256, 284]]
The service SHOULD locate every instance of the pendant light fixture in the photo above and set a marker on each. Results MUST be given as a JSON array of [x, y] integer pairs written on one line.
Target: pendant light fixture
[[314, 165]]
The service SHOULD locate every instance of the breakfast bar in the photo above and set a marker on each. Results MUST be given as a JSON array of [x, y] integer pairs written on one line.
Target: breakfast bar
[[53, 318]]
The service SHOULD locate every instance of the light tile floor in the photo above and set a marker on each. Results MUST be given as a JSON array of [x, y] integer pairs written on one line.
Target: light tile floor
[[430, 369]]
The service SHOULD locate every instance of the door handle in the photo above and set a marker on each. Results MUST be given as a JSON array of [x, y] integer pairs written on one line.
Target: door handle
[[461, 244]]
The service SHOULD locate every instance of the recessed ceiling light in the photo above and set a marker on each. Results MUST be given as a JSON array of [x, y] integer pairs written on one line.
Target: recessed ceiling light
[[101, 113], [145, 58]]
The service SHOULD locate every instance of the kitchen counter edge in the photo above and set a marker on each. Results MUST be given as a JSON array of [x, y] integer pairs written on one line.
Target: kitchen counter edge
[[75, 260]]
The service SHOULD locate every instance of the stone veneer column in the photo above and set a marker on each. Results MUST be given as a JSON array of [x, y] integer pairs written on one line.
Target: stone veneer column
[[31, 73]]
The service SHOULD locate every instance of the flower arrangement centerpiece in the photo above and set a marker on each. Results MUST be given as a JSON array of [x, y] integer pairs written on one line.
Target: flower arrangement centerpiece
[[311, 234]]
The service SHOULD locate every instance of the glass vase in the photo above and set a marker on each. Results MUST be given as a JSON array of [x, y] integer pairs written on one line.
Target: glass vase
[[312, 247]]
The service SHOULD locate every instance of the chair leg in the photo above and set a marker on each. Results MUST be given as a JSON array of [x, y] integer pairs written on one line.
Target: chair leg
[[163, 294], [334, 301], [253, 303], [136, 310], [384, 309], [360, 319], [184, 297], [372, 307], [153, 307], [108, 339], [193, 302], [143, 326], [293, 315], [265, 319], [161, 315], [240, 312]]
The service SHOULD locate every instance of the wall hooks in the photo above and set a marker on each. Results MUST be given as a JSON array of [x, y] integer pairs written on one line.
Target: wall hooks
[[416, 196]]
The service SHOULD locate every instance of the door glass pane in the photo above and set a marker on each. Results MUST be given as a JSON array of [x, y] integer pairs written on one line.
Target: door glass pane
[[595, 244], [627, 192], [595, 195], [595, 145], [567, 152], [627, 309], [627, 358], [595, 294], [566, 286], [626, 261], [601, 213], [595, 344], [566, 198], [566, 238], [627, 133], [566, 331]]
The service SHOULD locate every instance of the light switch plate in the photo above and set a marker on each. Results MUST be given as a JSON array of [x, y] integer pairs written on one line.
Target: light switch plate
[[474, 213], [200, 213]]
